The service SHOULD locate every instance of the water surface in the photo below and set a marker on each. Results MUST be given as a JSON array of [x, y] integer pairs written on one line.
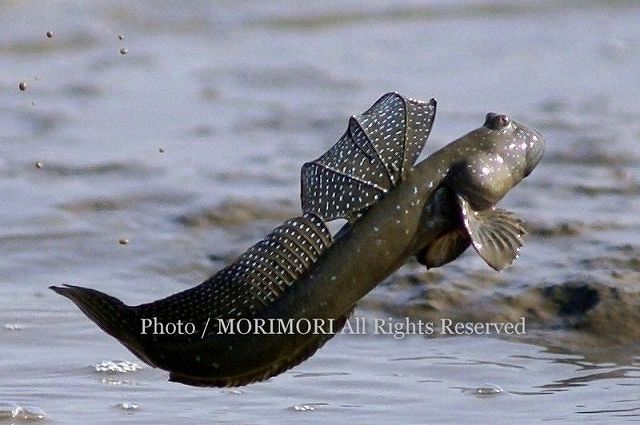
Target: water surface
[[190, 145]]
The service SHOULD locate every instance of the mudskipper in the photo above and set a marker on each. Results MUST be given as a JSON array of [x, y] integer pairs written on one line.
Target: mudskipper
[[395, 209]]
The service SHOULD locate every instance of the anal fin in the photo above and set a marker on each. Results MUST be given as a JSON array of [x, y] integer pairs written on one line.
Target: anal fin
[[496, 234]]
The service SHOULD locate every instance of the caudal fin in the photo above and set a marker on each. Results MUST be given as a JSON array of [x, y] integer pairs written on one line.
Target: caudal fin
[[112, 315]]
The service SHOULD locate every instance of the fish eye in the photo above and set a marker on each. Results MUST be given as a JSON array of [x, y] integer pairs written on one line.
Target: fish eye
[[496, 121]]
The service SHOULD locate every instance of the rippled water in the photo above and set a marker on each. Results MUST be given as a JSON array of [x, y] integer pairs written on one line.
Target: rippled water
[[190, 145]]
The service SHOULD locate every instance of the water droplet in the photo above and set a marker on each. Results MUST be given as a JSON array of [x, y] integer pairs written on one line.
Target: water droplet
[[161, 150], [118, 366], [22, 86], [124, 51], [39, 165], [29, 413], [120, 37], [49, 34], [125, 405], [487, 390], [13, 326], [123, 241], [303, 408]]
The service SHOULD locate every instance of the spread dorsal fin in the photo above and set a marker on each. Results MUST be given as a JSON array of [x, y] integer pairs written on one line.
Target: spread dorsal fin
[[257, 278], [374, 154]]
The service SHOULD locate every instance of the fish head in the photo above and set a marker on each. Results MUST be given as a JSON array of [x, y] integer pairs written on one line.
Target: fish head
[[494, 158]]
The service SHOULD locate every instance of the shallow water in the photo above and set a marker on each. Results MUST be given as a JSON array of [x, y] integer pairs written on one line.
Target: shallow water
[[190, 145]]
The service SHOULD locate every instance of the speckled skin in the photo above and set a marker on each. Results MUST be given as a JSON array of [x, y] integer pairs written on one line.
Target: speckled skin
[[404, 222], [392, 231], [481, 167]]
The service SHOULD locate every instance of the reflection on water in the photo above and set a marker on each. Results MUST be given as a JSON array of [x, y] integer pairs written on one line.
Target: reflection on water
[[360, 375], [189, 147]]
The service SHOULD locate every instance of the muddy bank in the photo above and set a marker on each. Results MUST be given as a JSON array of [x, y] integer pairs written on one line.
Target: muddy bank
[[570, 228], [233, 213], [582, 311]]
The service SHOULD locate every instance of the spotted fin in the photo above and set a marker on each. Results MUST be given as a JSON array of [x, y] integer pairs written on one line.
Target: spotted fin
[[251, 284], [257, 278], [373, 155], [495, 233]]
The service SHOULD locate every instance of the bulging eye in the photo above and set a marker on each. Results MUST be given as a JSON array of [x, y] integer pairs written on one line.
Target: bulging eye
[[496, 121]]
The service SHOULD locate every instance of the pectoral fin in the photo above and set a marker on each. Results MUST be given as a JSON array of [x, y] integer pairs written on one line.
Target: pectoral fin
[[445, 249], [496, 234]]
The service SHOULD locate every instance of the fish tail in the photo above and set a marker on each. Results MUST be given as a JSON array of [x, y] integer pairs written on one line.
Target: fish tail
[[109, 313]]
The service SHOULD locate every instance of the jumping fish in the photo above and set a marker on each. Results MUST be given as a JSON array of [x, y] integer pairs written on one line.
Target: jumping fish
[[395, 209]]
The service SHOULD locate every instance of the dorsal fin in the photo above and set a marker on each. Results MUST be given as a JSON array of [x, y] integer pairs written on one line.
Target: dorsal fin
[[254, 281], [371, 157]]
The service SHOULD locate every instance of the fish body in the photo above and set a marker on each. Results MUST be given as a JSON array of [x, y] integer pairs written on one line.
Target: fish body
[[396, 209]]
